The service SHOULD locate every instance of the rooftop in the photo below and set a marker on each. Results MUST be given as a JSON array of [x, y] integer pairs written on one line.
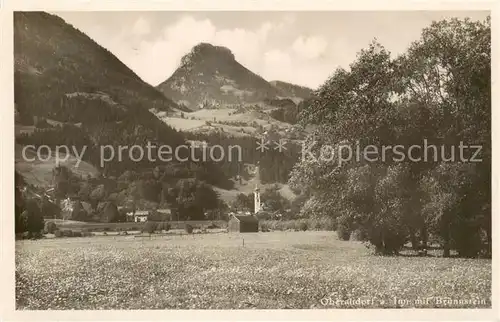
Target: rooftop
[[246, 218]]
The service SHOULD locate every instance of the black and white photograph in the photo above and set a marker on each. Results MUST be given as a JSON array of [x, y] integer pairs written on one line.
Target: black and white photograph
[[251, 160]]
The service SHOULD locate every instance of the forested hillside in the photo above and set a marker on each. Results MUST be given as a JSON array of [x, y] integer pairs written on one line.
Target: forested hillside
[[88, 96]]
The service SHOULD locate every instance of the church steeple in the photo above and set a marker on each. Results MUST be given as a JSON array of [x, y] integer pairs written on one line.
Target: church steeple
[[256, 193]]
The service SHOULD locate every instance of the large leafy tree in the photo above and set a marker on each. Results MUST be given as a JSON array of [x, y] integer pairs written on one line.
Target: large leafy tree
[[438, 91], [191, 198], [243, 202]]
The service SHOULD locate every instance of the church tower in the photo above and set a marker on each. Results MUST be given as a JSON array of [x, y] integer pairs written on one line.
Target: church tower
[[256, 193]]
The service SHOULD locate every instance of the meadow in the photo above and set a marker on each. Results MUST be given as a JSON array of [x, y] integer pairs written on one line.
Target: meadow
[[275, 270]]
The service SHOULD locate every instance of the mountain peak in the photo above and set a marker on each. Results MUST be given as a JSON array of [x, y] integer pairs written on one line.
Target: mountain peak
[[206, 52], [210, 75]]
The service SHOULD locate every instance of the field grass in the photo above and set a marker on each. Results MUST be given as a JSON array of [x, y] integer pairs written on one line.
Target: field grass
[[238, 271], [221, 119]]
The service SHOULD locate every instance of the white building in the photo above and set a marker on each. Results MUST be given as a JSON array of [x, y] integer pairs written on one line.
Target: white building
[[138, 215], [256, 193]]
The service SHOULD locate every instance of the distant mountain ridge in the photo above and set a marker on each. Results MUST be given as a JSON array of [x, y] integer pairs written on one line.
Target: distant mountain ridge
[[52, 55], [211, 76]]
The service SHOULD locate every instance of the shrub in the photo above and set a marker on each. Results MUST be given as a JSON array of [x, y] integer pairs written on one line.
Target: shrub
[[467, 241], [27, 235], [386, 243], [86, 233], [50, 227], [357, 235], [67, 233], [324, 223], [273, 225], [58, 233], [30, 219], [163, 226], [212, 226], [77, 234], [36, 235], [150, 227], [290, 225], [343, 228], [188, 228]]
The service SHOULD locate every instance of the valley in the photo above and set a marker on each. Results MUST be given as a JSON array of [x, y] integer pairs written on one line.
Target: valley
[[210, 98], [219, 183]]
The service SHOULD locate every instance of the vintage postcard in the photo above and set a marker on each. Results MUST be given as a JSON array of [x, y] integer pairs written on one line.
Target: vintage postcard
[[248, 160]]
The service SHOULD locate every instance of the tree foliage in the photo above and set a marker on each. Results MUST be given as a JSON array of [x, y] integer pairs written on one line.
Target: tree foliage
[[438, 91], [191, 198]]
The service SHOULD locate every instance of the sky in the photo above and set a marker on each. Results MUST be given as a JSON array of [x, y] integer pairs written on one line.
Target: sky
[[303, 48]]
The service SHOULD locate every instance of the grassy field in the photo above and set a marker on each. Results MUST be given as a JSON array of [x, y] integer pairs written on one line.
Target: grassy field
[[221, 119], [238, 271]]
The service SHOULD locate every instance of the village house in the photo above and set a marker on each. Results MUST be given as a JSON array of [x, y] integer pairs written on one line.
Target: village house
[[138, 216], [164, 214], [144, 215]]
